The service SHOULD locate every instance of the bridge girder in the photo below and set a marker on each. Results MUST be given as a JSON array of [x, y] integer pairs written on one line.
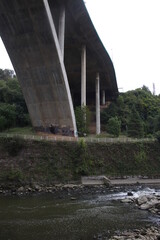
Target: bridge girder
[[32, 32]]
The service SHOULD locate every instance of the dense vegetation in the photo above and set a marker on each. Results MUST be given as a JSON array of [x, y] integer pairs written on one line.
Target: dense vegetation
[[137, 110], [13, 110], [135, 113], [26, 161]]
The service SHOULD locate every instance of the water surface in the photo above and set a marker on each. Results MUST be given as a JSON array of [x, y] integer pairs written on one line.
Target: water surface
[[42, 217]]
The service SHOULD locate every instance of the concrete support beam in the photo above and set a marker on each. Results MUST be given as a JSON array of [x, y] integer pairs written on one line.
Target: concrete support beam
[[98, 124], [103, 97], [61, 30], [83, 76], [62, 73]]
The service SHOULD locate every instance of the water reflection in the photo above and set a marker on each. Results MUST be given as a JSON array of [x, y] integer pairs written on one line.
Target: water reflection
[[42, 217]]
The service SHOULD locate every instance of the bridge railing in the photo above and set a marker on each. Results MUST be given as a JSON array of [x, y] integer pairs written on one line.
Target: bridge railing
[[72, 139]]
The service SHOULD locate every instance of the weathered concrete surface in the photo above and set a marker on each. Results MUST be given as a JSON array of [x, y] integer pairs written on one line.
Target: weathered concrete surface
[[95, 180], [49, 84], [33, 52], [136, 180]]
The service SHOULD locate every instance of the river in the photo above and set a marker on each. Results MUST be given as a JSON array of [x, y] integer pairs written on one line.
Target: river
[[42, 217]]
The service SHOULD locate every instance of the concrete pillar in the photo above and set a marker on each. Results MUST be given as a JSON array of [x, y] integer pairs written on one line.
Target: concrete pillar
[[83, 76], [61, 70], [103, 97], [61, 29], [98, 123]]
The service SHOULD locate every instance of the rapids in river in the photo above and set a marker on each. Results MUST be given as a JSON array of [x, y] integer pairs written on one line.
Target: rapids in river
[[42, 217]]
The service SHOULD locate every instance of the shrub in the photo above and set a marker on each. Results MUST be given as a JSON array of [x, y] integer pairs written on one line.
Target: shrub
[[3, 123], [12, 145], [135, 125], [114, 126], [83, 120], [14, 175], [157, 136]]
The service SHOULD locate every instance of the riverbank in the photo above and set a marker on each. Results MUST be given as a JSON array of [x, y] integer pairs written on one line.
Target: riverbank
[[149, 233], [78, 212], [77, 191], [24, 162]]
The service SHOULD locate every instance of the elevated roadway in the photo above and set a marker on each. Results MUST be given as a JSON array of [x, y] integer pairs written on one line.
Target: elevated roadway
[[59, 60]]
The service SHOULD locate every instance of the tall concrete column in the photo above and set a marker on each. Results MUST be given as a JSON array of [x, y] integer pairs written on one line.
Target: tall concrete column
[[103, 97], [61, 29], [62, 73], [83, 76], [98, 123]]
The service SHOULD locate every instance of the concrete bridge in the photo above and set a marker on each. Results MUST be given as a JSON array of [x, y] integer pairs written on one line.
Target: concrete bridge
[[58, 58]]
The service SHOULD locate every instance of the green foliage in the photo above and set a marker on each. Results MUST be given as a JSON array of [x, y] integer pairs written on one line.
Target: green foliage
[[3, 123], [157, 136], [14, 175], [83, 120], [145, 104], [6, 74], [82, 146], [8, 114], [83, 165], [50, 162], [114, 126], [157, 123], [135, 125], [21, 131], [13, 110], [12, 145]]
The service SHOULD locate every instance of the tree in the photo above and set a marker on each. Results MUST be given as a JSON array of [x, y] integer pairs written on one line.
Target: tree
[[82, 119], [157, 136], [157, 123], [2, 75], [135, 125], [3, 123], [13, 109], [114, 126], [8, 112], [145, 103]]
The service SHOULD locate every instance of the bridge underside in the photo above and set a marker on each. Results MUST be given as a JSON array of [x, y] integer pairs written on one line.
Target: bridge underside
[[44, 40]]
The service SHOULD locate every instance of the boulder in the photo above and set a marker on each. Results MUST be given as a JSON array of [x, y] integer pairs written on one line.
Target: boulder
[[130, 194], [141, 200]]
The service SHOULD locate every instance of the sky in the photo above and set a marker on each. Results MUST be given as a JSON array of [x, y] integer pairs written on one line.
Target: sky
[[129, 30]]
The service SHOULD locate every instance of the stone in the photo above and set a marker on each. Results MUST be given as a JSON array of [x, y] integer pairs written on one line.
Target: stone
[[21, 189], [130, 194], [106, 181], [73, 198], [141, 200], [127, 200], [37, 187], [145, 206]]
